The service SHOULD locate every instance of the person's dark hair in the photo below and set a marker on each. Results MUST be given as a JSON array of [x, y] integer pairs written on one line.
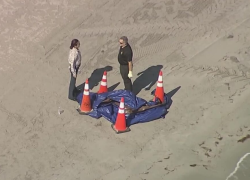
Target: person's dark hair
[[73, 43], [125, 39]]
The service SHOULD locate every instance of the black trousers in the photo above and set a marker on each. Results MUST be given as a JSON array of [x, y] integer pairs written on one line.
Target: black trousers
[[73, 91], [124, 70]]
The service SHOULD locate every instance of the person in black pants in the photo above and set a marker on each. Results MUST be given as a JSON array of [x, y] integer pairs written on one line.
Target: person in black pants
[[74, 60], [125, 60]]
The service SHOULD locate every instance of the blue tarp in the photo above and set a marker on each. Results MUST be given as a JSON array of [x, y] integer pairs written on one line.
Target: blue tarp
[[109, 110]]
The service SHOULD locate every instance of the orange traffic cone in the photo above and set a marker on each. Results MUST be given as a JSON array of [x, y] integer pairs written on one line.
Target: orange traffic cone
[[159, 92], [120, 124], [86, 103], [103, 86]]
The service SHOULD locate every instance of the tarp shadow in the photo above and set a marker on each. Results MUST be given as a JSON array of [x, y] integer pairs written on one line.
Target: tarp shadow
[[112, 88], [172, 93], [146, 79]]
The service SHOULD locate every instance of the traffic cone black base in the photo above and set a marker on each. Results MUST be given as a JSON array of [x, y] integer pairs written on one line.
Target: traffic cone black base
[[119, 131], [83, 112]]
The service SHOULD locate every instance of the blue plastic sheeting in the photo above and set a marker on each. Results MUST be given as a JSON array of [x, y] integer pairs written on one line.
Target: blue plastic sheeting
[[109, 110]]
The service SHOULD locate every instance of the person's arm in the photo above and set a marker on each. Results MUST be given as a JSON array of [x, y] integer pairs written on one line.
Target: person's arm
[[130, 66], [129, 56]]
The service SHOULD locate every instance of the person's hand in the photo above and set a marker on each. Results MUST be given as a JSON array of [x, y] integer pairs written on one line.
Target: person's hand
[[74, 75], [130, 75]]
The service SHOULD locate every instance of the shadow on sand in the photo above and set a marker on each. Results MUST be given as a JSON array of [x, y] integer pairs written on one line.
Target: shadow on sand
[[112, 88], [172, 93], [146, 79], [95, 77]]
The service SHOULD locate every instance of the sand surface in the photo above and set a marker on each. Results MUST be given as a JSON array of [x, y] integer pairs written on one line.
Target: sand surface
[[203, 47]]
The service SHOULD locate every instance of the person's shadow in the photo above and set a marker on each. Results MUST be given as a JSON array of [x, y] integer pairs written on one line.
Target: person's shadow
[[95, 77], [146, 79]]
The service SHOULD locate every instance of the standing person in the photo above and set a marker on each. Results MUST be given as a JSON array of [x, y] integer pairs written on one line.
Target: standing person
[[74, 60], [126, 65]]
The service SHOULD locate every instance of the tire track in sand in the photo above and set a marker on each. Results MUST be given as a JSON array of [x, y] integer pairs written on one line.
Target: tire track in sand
[[168, 29]]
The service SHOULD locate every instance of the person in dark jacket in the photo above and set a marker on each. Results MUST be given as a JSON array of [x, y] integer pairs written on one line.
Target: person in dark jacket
[[125, 57]]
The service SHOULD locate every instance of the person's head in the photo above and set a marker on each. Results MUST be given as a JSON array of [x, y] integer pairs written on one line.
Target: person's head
[[75, 43], [123, 41]]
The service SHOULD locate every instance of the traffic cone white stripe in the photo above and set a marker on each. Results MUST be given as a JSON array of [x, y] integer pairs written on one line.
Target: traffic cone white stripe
[[86, 89], [103, 87], [104, 83], [121, 108], [122, 105], [160, 81], [121, 111], [86, 92], [160, 78], [159, 84]]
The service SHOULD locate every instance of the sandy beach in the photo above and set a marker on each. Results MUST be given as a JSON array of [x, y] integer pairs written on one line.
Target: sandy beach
[[203, 48]]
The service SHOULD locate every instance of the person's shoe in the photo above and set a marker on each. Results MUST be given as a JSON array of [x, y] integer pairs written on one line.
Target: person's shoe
[[72, 98]]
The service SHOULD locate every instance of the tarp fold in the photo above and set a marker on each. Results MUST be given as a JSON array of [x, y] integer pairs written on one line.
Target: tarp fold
[[137, 110]]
